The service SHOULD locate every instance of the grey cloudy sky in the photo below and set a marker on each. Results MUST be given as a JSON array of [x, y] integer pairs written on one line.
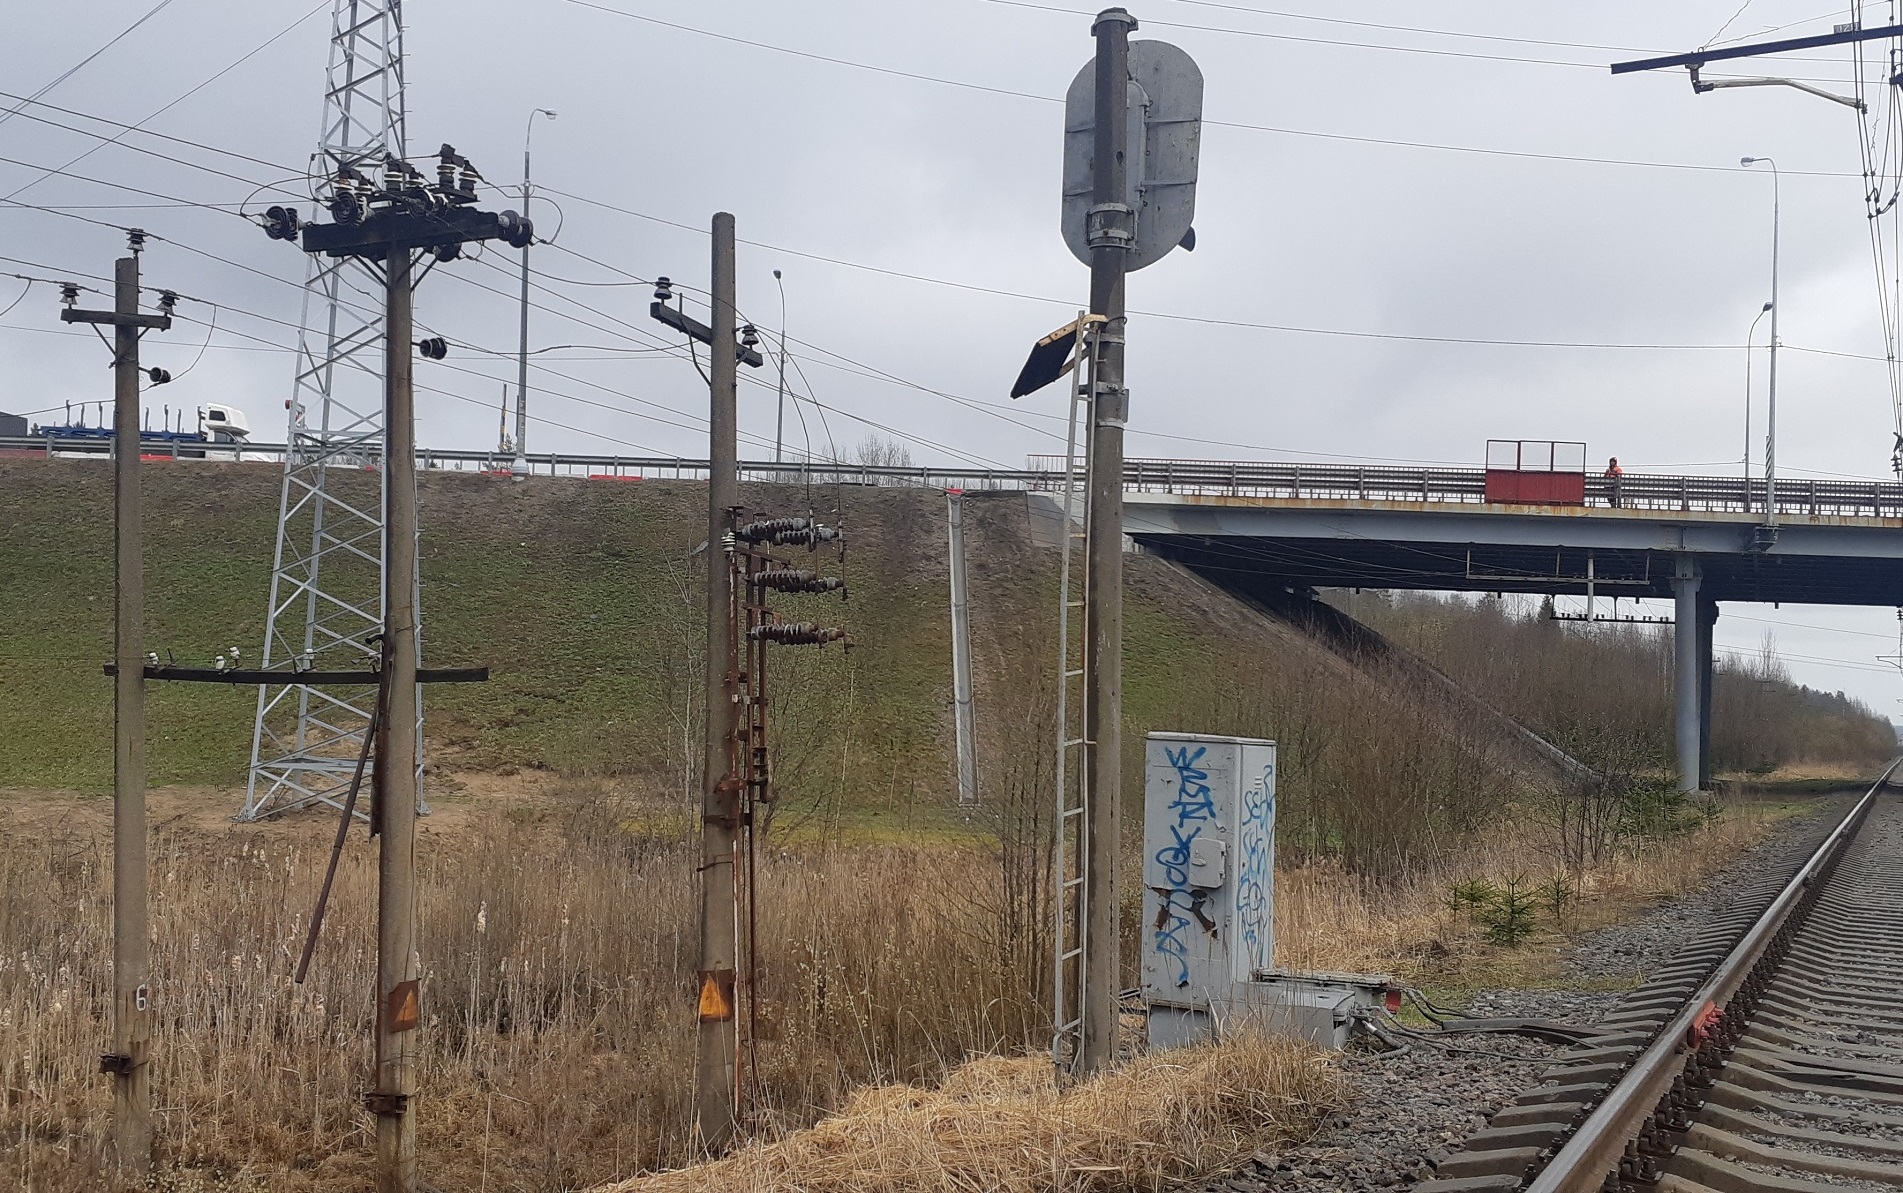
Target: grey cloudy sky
[[1467, 171]]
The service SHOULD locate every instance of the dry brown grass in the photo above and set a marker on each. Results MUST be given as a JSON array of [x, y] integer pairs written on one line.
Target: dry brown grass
[[558, 1041], [1327, 918], [1000, 1125], [558, 1037]]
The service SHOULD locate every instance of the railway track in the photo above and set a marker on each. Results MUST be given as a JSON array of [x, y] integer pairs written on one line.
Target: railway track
[[1767, 1055]]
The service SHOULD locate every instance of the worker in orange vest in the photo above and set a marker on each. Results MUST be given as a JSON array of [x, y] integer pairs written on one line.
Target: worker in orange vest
[[1613, 473]]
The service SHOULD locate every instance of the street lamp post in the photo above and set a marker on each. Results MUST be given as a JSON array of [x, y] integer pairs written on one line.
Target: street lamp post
[[1750, 338], [520, 468], [1770, 411], [779, 420]]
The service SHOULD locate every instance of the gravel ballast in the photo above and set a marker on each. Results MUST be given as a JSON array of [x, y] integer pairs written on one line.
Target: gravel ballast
[[1408, 1109]]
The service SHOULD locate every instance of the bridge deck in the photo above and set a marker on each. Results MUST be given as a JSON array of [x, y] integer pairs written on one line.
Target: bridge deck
[[1296, 525]]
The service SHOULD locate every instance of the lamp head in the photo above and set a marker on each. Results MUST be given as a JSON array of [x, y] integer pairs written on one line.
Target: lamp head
[[1747, 161]]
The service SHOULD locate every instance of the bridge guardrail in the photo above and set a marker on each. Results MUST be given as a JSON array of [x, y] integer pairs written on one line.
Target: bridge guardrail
[[1235, 478]]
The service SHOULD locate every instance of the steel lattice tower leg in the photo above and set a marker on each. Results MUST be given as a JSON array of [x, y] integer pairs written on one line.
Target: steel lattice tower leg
[[328, 574]]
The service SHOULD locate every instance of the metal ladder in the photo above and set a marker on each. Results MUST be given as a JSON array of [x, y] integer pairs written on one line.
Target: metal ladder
[[1070, 932]]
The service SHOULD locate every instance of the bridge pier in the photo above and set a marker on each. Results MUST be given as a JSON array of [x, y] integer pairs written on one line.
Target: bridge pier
[[1691, 650], [1707, 618]]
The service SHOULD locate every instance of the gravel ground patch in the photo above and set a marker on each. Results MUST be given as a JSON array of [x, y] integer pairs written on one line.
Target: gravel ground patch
[[1408, 1109], [1641, 946]]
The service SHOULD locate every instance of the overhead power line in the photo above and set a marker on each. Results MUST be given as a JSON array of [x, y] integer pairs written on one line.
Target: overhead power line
[[24, 102], [200, 86], [116, 38], [1294, 329], [1207, 122]]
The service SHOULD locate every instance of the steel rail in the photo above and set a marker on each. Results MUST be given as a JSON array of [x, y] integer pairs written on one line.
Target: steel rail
[[1603, 1139]]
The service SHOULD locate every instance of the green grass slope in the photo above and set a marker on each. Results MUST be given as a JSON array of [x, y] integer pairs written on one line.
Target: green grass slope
[[584, 599]]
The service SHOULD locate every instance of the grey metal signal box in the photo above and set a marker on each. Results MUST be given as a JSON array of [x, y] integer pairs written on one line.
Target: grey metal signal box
[[1208, 928]]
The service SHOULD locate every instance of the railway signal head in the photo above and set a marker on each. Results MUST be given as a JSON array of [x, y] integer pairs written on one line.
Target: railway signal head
[[434, 348], [159, 376]]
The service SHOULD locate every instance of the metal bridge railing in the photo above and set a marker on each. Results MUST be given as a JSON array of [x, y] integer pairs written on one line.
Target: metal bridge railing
[[1225, 478]]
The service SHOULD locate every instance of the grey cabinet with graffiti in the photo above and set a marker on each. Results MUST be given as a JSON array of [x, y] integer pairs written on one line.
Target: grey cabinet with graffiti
[[1208, 871]]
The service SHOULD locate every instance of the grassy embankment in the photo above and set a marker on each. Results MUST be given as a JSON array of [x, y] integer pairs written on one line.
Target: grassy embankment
[[582, 598]]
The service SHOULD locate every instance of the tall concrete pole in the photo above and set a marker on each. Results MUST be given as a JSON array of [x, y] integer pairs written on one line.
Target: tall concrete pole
[[963, 720], [1111, 227], [399, 1009], [715, 1068], [131, 1022], [1686, 680]]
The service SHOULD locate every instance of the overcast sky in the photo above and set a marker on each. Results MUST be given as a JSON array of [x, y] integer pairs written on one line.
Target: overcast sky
[[1458, 171]]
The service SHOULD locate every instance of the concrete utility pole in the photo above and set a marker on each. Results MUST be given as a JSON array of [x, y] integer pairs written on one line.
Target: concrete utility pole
[[398, 1002], [1111, 231], [716, 1069], [962, 717], [385, 228], [129, 1062]]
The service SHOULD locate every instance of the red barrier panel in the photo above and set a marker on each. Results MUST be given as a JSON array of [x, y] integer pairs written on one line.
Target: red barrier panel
[[1535, 488]]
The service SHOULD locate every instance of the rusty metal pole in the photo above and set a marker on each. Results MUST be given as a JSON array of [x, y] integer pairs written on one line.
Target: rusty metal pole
[[715, 1065], [399, 1008], [1111, 229], [131, 1028]]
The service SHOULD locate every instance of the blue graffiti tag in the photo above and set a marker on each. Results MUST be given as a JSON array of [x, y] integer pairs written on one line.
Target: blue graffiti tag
[[1193, 798], [1255, 871], [1194, 803], [1169, 936]]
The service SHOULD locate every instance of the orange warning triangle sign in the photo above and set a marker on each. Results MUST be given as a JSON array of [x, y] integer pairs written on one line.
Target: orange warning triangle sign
[[714, 1005], [404, 1011]]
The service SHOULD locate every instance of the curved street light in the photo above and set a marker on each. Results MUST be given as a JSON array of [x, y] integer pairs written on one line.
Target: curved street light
[[1770, 412], [520, 468]]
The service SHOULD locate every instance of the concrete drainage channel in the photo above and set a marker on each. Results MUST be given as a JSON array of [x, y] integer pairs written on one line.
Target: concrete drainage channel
[[1768, 1055]]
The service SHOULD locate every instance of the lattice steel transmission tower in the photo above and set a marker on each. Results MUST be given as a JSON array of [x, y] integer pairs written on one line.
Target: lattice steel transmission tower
[[328, 574]]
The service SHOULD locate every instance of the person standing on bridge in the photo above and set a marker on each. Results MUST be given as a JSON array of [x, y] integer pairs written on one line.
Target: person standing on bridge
[[1613, 474]]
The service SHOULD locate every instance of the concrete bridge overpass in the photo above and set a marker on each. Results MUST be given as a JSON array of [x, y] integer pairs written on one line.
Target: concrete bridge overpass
[[1264, 530]]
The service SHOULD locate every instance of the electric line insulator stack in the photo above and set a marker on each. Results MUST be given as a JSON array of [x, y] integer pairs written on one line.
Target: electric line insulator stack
[[758, 574], [404, 205]]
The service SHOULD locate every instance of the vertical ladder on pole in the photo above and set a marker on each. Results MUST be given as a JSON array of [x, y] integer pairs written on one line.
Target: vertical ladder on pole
[[1069, 936]]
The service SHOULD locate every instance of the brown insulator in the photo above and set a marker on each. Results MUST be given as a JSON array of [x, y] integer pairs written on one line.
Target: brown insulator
[[786, 532], [796, 634], [791, 580]]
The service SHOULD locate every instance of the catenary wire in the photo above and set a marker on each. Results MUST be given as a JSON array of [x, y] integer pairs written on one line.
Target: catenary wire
[[1293, 132], [116, 38], [221, 73]]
